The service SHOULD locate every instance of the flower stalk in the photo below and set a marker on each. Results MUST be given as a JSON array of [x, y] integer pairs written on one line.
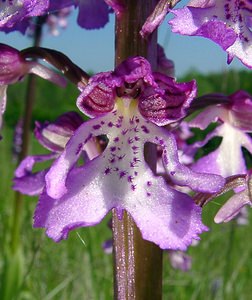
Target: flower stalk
[[29, 102], [137, 262]]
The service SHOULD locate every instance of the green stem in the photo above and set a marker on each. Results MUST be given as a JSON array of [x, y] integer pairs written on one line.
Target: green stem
[[137, 262], [30, 97]]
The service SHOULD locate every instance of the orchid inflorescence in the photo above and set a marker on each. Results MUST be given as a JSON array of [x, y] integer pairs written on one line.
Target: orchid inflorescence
[[132, 106]]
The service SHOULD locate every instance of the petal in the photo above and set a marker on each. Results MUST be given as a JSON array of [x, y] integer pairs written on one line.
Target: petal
[[180, 174], [30, 184], [228, 159], [169, 102], [12, 12], [93, 14], [56, 177], [232, 207], [54, 136], [83, 205], [156, 18], [165, 217]]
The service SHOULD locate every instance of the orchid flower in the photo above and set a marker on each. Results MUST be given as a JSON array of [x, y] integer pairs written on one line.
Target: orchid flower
[[12, 12], [52, 136], [13, 68], [128, 105], [235, 118], [226, 22]]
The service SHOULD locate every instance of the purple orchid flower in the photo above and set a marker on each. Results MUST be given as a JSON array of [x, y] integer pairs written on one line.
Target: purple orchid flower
[[12, 12], [52, 136], [127, 104], [13, 68], [227, 23], [235, 118]]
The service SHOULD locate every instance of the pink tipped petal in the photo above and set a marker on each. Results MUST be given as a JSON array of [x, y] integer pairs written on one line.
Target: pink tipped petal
[[209, 115], [156, 18], [46, 73]]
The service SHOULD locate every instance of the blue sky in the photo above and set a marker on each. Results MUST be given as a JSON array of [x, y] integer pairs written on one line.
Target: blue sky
[[94, 50]]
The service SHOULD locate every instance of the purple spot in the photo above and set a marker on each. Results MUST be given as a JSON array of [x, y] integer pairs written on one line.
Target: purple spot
[[161, 142], [137, 138], [113, 149], [148, 194], [116, 139], [107, 171], [149, 183], [132, 121], [112, 160], [102, 122], [110, 124], [97, 126], [136, 160], [137, 120], [136, 129], [135, 173], [124, 131], [79, 148], [130, 178], [130, 140], [133, 187], [172, 173], [122, 174], [118, 125], [121, 156], [116, 169], [88, 138], [134, 148], [165, 160]]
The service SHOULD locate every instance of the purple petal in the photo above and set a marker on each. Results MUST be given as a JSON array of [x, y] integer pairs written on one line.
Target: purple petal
[[232, 207], [227, 23], [93, 14], [169, 102], [54, 136], [156, 18], [96, 99], [12, 12], [83, 205], [30, 184]]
